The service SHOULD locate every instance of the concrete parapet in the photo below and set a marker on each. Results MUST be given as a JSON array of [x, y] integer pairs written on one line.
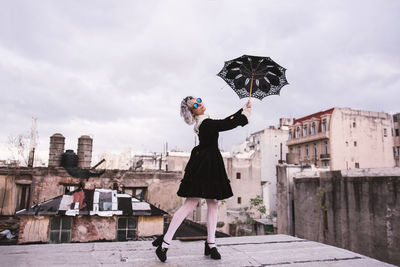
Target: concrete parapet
[[357, 210]]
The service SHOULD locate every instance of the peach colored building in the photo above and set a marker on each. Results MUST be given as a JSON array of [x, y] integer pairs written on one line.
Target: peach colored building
[[343, 138]]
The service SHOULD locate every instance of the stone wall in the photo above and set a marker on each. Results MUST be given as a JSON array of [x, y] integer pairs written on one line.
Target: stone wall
[[355, 210]]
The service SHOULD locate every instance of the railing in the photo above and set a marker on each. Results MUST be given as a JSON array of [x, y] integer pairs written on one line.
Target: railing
[[308, 138], [325, 156]]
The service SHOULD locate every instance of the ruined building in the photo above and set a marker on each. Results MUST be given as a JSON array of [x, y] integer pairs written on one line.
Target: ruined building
[[23, 187]]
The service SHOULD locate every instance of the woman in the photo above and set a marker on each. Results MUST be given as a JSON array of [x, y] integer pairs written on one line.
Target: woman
[[205, 175]]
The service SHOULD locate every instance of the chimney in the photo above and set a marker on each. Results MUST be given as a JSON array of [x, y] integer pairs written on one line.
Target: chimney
[[57, 142], [85, 144]]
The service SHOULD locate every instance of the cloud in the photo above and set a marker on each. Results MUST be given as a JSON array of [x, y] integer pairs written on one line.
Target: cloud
[[118, 70]]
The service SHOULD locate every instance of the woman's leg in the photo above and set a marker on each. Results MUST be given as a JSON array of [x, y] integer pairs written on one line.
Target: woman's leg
[[212, 217], [189, 205]]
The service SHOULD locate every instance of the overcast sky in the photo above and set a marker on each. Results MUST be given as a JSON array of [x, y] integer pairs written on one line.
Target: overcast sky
[[117, 70]]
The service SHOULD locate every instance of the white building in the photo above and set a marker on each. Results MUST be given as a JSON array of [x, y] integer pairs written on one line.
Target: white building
[[270, 144]]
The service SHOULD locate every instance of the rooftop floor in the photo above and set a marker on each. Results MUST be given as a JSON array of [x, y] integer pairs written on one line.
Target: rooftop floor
[[266, 250]]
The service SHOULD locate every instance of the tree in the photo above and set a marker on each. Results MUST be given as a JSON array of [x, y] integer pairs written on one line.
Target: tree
[[18, 147], [258, 203]]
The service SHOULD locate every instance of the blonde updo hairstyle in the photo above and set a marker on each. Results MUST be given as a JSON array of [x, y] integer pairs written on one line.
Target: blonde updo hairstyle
[[186, 110]]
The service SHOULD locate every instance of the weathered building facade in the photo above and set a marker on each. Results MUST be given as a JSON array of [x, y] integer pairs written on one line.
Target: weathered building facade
[[343, 138], [90, 215]]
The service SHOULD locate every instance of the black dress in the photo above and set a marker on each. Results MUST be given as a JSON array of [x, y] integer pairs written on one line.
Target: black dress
[[205, 175]]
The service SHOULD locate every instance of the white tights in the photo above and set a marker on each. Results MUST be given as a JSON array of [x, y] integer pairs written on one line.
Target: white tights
[[189, 205]]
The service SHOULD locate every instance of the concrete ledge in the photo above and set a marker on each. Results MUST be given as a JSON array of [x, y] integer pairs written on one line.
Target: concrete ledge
[[266, 250]]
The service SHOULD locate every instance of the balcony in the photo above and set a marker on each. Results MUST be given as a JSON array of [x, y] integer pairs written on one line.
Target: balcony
[[308, 138], [325, 156]]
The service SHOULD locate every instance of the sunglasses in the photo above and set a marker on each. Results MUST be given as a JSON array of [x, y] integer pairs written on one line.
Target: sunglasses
[[198, 101]]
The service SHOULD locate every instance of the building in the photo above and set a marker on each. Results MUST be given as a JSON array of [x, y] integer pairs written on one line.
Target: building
[[269, 146], [396, 134], [90, 215], [342, 138], [23, 187]]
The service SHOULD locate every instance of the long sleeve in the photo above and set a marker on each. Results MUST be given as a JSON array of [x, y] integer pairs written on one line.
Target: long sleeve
[[229, 122]]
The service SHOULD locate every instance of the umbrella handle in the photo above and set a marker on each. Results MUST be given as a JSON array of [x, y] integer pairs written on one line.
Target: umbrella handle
[[251, 87]]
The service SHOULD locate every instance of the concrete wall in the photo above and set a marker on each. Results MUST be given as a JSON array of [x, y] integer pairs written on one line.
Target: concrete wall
[[93, 228], [33, 229], [150, 225], [355, 210]]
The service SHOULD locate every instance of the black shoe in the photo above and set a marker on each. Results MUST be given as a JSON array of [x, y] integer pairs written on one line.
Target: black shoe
[[158, 241], [213, 251], [160, 252]]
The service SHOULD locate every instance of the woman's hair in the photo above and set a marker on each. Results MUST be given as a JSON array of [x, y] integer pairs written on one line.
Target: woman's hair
[[186, 111]]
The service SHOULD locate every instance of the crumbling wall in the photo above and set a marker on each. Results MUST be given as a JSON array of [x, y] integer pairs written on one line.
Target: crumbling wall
[[282, 188], [93, 228], [8, 195], [150, 225], [356, 212], [33, 229], [48, 183]]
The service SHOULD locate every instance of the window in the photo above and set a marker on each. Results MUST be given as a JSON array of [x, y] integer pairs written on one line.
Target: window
[[326, 147], [105, 201], [315, 150], [357, 165], [384, 132], [354, 124], [69, 188], [305, 130], [298, 132], [299, 151], [238, 175], [307, 150], [290, 134], [60, 229], [137, 192], [313, 128], [324, 125], [239, 200], [355, 143], [291, 149], [347, 143], [127, 229], [23, 196]]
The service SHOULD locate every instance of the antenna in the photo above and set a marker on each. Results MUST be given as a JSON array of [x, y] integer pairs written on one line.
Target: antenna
[[33, 142]]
